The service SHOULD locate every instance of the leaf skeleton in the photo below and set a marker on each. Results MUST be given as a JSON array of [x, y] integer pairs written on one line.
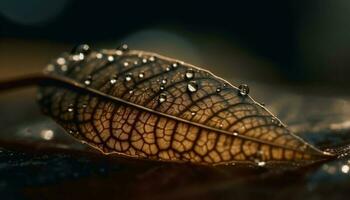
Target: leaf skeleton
[[143, 105]]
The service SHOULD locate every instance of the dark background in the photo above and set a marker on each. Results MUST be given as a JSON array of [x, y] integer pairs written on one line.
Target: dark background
[[301, 41], [293, 54]]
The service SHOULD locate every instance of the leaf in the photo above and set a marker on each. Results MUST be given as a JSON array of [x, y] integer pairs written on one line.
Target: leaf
[[143, 105]]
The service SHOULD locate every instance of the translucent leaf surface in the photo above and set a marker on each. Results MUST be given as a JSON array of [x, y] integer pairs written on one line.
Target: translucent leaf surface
[[144, 105]]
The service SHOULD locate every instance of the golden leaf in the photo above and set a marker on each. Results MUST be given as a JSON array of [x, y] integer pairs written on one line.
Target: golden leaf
[[143, 105]]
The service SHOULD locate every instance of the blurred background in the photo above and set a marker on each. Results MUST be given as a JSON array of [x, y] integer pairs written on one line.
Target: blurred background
[[293, 54], [297, 43]]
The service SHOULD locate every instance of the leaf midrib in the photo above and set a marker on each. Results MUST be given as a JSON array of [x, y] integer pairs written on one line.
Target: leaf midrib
[[90, 90]]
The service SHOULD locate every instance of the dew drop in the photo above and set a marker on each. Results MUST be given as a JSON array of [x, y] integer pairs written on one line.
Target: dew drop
[[47, 134], [141, 75], [243, 89], [78, 57], [189, 74], [235, 133], [192, 86], [261, 163], [163, 81], [99, 55], [84, 106], [88, 80], [162, 87], [273, 120], [144, 60], [64, 68], [126, 64], [167, 69], [131, 91], [124, 47], [193, 113], [136, 62], [113, 81], [152, 59], [345, 169], [162, 98], [70, 108], [81, 49], [128, 77], [218, 90], [119, 52], [174, 65], [61, 61], [110, 58], [50, 68]]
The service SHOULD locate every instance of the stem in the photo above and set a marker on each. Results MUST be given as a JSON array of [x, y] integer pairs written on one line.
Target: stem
[[42, 80], [20, 82], [34, 80]]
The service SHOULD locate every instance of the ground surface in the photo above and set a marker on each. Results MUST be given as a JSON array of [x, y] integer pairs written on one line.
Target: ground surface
[[39, 161]]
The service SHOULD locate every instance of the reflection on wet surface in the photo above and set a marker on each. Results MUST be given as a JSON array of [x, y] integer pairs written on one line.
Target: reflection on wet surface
[[38, 160]]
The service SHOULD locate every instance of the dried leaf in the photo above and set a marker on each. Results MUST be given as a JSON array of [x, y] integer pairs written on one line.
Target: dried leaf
[[144, 105]]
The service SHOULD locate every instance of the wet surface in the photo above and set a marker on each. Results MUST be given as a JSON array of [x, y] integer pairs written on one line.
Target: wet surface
[[38, 160]]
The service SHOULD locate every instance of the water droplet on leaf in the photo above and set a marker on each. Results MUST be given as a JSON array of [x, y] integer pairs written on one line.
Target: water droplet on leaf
[[345, 169], [61, 61], [189, 74], [110, 58], [99, 55], [124, 47], [141, 75], [70, 108], [119, 52], [50, 68], [64, 68], [162, 98], [152, 59], [47, 134], [243, 89], [261, 163], [88, 80], [113, 81], [81, 49], [192, 86], [78, 57], [128, 77]]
